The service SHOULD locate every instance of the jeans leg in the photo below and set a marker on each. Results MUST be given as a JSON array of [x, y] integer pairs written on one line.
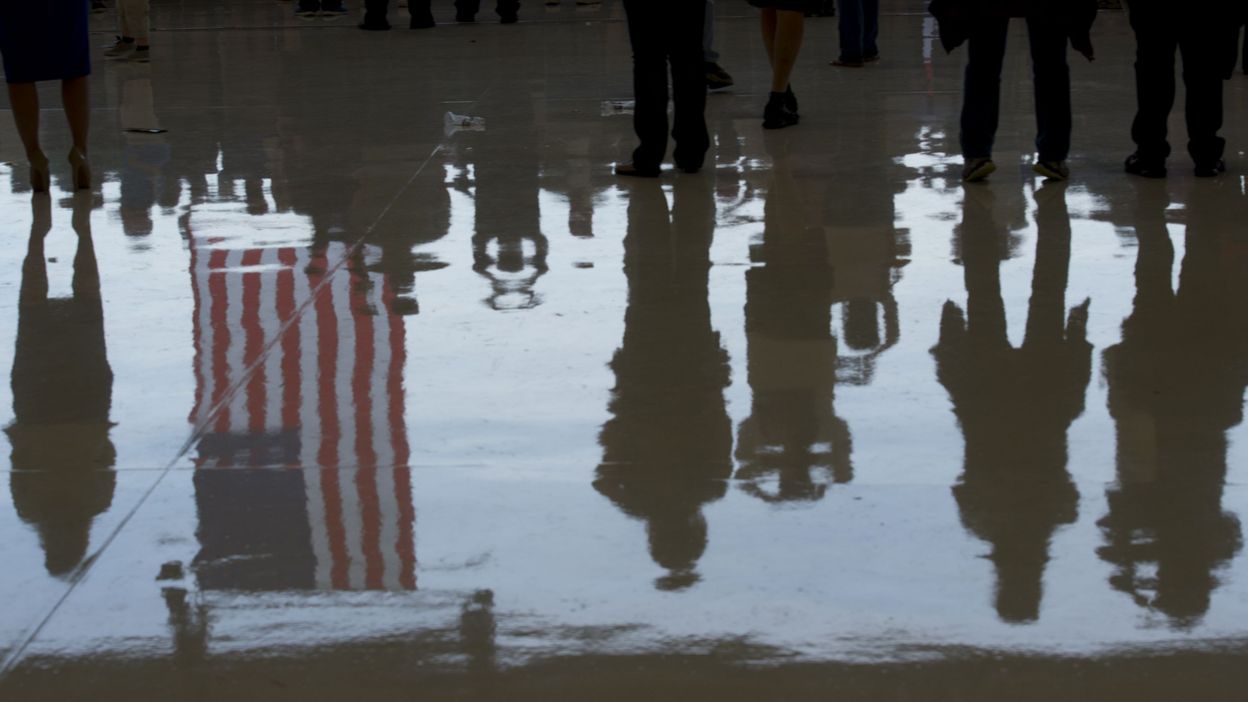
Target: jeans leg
[[709, 54], [981, 102], [1156, 41], [646, 20], [870, 28], [1051, 75], [1203, 78], [686, 18], [850, 27]]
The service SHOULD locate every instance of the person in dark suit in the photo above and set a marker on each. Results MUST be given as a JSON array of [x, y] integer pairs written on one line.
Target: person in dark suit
[[983, 25], [1208, 41], [663, 34]]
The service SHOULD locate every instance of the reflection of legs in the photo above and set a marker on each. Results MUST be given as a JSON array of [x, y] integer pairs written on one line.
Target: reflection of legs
[[981, 103], [1052, 88], [645, 28], [688, 84], [1154, 82]]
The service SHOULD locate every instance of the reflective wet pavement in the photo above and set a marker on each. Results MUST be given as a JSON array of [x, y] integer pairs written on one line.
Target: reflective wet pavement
[[320, 394]]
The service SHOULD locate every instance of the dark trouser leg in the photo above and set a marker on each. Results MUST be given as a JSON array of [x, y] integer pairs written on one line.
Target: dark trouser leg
[[870, 28], [507, 7], [1156, 40], [850, 27], [684, 46], [1051, 76], [981, 101], [375, 12], [466, 9], [1203, 78], [646, 29], [420, 10]]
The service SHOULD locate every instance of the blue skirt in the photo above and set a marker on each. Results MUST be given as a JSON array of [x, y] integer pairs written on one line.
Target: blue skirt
[[44, 40]]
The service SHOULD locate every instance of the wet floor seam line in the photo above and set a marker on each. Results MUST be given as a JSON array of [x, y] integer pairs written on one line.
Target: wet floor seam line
[[19, 649]]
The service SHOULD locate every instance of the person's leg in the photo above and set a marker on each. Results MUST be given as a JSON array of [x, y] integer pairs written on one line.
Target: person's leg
[[138, 14], [767, 21], [24, 98], [709, 54], [1154, 80], [685, 52], [870, 29], [375, 14], [981, 100], [646, 20], [466, 10], [787, 43], [420, 13], [1203, 79], [77, 104], [1051, 75], [850, 28]]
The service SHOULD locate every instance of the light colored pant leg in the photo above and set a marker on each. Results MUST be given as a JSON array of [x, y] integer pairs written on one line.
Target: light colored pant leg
[[709, 54], [133, 15]]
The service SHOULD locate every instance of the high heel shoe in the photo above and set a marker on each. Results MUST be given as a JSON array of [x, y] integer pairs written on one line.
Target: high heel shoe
[[39, 178], [82, 170]]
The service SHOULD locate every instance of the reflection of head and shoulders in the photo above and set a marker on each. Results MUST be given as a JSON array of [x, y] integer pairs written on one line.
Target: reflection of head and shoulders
[[667, 447], [1176, 385], [62, 395], [1015, 404]]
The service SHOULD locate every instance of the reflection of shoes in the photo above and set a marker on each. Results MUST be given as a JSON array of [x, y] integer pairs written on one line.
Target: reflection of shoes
[[142, 54], [777, 115], [81, 169], [1210, 170], [717, 78], [1145, 167], [1053, 170], [39, 179], [373, 27], [633, 170], [848, 63], [120, 47], [978, 169], [873, 58]]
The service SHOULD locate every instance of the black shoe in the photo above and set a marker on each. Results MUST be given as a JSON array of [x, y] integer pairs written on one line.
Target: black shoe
[[1145, 167], [333, 8], [508, 16], [790, 101], [423, 20], [374, 27], [465, 17], [717, 78], [777, 115], [633, 170], [1211, 170]]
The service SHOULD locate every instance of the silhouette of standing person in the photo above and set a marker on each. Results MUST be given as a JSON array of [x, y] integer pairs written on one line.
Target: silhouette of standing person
[[662, 35], [1176, 385], [62, 394], [667, 449], [1015, 405], [1206, 36]]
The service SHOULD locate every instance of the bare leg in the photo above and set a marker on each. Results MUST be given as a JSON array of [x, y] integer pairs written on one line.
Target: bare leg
[[787, 42], [25, 100], [767, 17], [77, 110]]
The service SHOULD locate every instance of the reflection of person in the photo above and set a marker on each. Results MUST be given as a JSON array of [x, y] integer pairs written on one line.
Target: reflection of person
[[146, 155], [667, 447], [1015, 404], [663, 34], [793, 430], [62, 394], [1207, 39], [1176, 385], [47, 40]]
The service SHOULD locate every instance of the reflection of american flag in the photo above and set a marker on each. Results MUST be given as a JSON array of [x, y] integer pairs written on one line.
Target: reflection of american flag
[[327, 397]]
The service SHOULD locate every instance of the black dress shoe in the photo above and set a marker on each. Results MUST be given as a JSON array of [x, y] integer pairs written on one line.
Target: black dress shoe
[[1210, 170], [508, 17], [374, 27], [777, 115], [633, 170], [423, 21], [1145, 167], [465, 17]]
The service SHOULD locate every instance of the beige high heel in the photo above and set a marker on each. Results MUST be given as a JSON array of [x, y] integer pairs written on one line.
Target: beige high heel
[[82, 170], [39, 178]]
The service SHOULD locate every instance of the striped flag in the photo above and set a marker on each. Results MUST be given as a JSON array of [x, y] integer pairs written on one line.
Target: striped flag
[[324, 396]]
